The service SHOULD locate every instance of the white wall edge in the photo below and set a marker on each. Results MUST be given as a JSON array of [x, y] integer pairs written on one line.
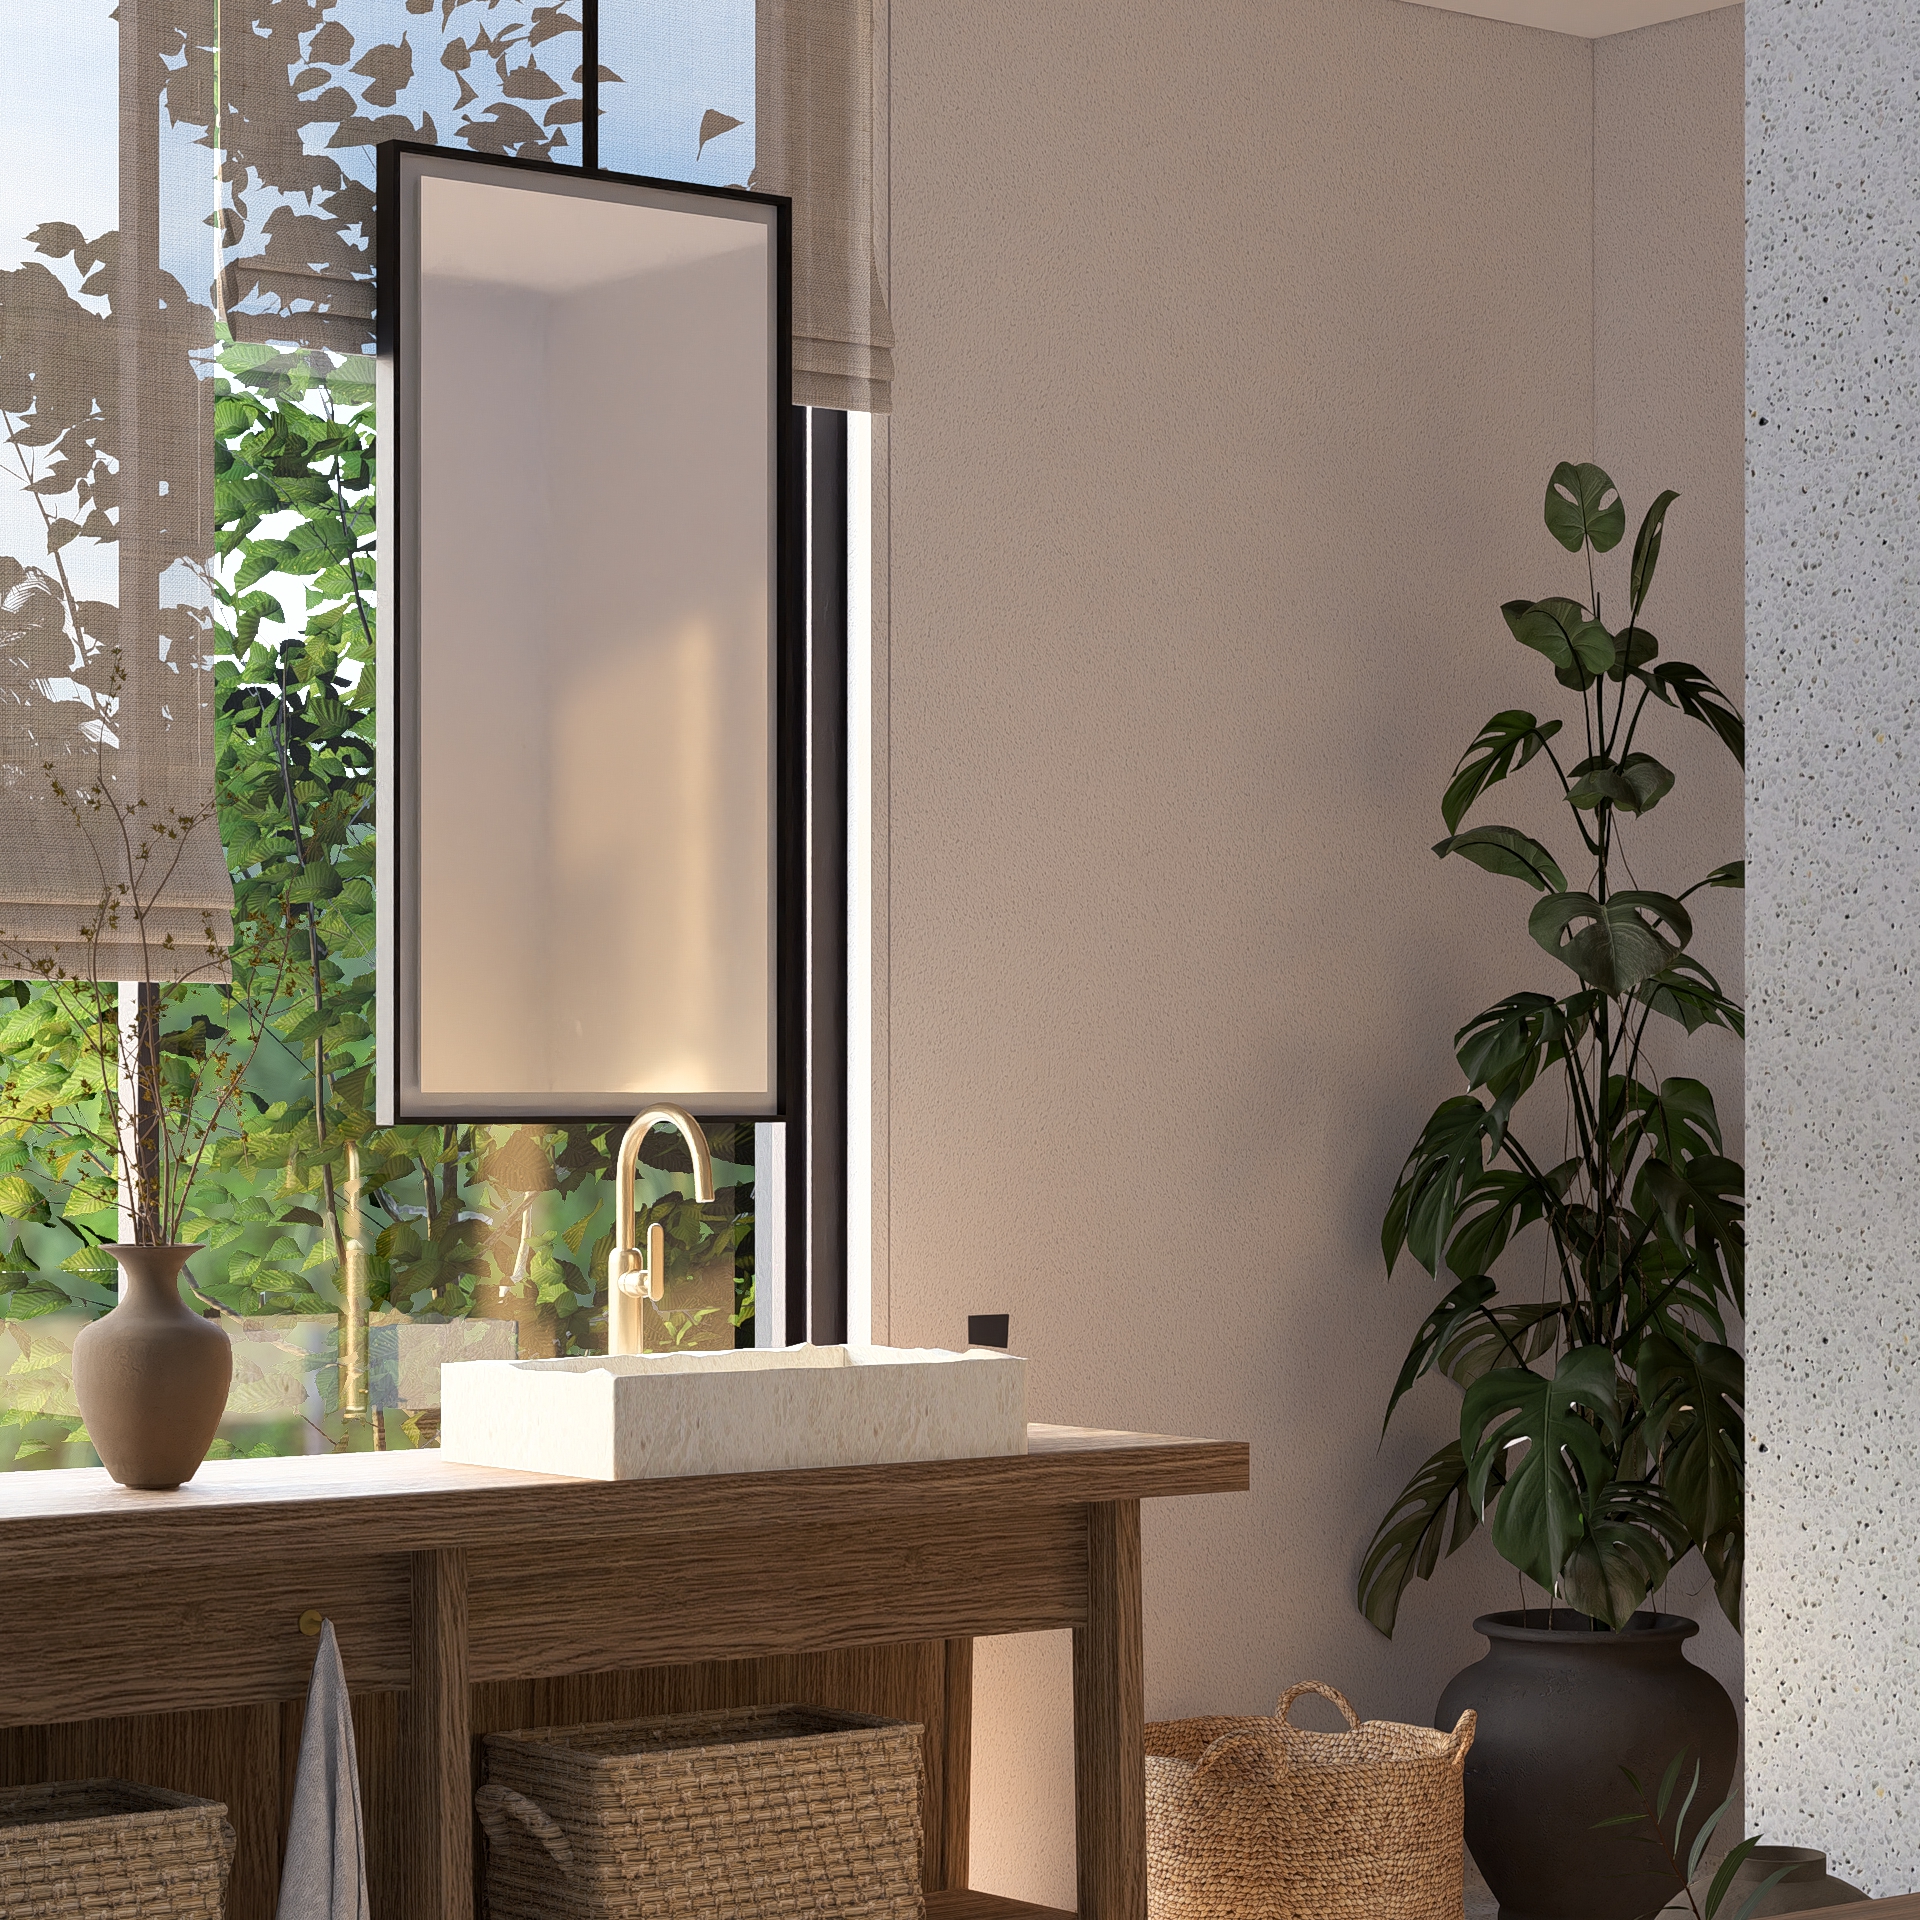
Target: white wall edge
[[860, 878]]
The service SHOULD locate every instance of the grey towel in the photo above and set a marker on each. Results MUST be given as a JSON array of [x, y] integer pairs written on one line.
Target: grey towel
[[325, 1875]]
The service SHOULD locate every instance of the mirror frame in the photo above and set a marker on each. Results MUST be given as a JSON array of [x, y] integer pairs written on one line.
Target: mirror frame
[[399, 1099]]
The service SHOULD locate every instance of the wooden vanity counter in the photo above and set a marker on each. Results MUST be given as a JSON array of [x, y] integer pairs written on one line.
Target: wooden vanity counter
[[440, 1578]]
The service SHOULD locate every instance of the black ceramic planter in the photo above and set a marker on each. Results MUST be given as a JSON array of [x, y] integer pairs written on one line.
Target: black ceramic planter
[[1562, 1709]]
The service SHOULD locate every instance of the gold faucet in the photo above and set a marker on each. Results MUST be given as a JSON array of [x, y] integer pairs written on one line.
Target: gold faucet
[[630, 1276]]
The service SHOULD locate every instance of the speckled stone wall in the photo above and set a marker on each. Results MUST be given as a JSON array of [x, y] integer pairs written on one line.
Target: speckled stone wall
[[1833, 830]]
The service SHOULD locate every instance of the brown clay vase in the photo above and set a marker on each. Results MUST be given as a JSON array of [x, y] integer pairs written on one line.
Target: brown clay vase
[[151, 1377]]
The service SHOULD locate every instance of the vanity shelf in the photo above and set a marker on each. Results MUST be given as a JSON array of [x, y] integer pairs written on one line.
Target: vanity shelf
[[443, 1581], [987, 1906]]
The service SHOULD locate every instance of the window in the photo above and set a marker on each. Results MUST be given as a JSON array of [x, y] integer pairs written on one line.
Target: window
[[349, 1261]]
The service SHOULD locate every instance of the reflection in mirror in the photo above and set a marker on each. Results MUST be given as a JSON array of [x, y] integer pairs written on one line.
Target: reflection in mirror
[[580, 579]]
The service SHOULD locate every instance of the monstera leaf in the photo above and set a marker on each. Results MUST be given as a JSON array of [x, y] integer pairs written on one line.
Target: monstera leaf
[[1432, 1517], [1584, 505], [1600, 1436], [1635, 784], [1565, 633], [1449, 1156], [1566, 1422], [1646, 549], [1503, 746], [1508, 851], [1613, 944], [1632, 1535]]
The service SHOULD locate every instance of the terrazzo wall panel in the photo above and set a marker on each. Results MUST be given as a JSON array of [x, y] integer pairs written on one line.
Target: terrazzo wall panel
[[1833, 824]]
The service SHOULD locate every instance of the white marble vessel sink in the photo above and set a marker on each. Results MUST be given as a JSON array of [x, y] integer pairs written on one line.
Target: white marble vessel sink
[[653, 1416]]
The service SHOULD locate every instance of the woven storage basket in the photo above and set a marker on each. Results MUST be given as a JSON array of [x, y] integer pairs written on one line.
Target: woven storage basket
[[1257, 1820], [108, 1850], [757, 1813]]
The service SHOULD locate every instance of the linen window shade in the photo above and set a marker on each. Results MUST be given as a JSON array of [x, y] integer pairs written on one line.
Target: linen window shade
[[311, 88], [107, 698], [298, 227], [814, 142]]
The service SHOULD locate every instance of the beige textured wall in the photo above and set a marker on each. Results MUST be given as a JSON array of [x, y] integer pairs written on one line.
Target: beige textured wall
[[1237, 343], [1670, 411]]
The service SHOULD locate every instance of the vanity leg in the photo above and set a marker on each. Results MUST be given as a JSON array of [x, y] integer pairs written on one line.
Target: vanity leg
[[439, 1842], [1109, 1719], [956, 1765]]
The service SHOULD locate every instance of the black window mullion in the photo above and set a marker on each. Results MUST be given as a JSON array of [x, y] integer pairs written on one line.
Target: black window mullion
[[817, 1161], [590, 84]]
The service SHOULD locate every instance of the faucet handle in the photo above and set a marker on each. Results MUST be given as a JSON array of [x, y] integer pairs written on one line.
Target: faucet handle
[[633, 1275]]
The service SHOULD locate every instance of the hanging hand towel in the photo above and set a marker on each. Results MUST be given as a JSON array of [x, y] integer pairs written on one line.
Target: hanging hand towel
[[325, 1875]]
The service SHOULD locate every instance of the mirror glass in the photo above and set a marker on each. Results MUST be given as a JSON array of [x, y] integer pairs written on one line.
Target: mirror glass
[[580, 609]]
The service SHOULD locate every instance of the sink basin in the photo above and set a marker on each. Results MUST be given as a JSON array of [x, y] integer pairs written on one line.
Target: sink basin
[[654, 1416]]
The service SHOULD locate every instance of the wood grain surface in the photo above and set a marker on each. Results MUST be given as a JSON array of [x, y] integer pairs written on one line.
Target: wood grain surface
[[78, 1523], [438, 1744], [245, 1757], [784, 1589], [1109, 1716], [470, 1600], [987, 1906], [953, 1808], [1905, 1907], [197, 1636]]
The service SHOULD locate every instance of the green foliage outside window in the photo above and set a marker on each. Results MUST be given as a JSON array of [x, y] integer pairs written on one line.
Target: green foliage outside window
[[308, 1209]]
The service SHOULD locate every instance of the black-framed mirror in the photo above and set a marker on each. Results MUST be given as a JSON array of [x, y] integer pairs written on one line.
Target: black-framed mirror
[[590, 863]]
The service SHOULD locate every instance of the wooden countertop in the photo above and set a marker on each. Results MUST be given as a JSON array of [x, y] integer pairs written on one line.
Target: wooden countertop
[[59, 1521]]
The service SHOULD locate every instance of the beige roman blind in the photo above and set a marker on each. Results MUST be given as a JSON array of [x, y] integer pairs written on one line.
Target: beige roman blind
[[302, 110], [815, 141], [111, 865]]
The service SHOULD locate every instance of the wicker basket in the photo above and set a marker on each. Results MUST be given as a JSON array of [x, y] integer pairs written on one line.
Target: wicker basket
[[108, 1850], [759, 1813], [1257, 1820]]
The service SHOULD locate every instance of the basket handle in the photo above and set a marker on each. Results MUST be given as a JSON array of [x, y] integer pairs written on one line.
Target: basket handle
[[1267, 1738], [1462, 1738], [1325, 1692], [493, 1804]]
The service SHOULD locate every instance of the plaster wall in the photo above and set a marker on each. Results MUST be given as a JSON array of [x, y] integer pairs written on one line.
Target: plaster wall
[[1237, 346], [1669, 291], [1833, 399]]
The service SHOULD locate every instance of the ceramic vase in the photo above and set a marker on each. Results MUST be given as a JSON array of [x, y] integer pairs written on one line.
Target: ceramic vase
[[1563, 1708], [151, 1377], [1807, 1885]]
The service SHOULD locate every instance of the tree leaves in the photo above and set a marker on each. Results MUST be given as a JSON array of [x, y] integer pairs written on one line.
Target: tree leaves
[[1615, 944], [1432, 1517], [1583, 505], [1503, 746], [1506, 850]]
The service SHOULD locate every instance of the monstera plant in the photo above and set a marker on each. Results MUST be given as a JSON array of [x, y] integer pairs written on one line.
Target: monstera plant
[[1601, 1430]]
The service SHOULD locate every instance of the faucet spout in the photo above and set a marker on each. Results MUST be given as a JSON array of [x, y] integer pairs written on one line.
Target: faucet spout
[[632, 1276]]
